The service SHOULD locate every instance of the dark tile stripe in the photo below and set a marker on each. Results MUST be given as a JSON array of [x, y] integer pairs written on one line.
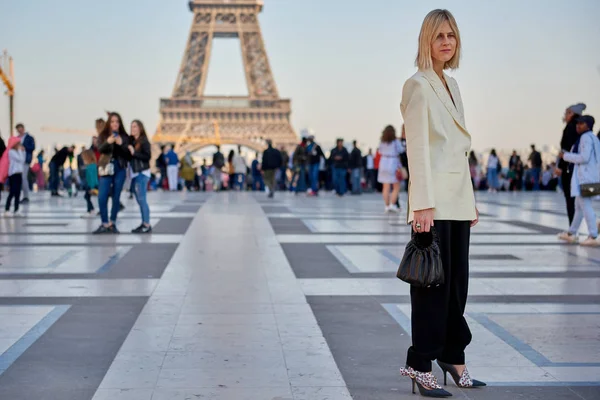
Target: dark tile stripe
[[288, 225], [186, 208], [275, 209], [142, 261], [172, 225], [369, 347], [69, 361], [313, 260], [536, 227]]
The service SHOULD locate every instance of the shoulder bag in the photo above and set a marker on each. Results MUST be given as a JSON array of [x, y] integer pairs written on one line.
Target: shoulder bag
[[591, 189]]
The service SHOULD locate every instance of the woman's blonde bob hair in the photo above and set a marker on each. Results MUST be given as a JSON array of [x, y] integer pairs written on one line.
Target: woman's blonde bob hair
[[429, 31]]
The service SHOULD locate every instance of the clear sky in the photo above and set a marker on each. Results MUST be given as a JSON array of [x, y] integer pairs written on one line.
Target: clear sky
[[342, 62]]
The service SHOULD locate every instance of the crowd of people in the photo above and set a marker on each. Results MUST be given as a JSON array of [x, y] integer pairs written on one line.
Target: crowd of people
[[100, 170], [116, 157]]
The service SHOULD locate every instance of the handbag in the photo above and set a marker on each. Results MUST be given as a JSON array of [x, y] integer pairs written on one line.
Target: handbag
[[106, 170], [401, 174], [421, 264], [590, 189]]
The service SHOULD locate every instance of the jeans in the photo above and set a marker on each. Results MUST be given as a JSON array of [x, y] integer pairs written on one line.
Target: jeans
[[111, 185], [140, 189], [258, 183], [339, 180], [313, 170], [535, 174], [370, 180], [584, 209], [16, 183], [54, 177], [300, 174], [356, 181], [492, 177], [283, 178], [239, 181]]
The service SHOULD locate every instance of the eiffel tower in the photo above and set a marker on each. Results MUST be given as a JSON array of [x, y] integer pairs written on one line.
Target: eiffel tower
[[191, 120]]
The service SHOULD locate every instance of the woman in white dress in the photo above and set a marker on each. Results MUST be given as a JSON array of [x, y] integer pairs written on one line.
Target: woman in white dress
[[390, 149]]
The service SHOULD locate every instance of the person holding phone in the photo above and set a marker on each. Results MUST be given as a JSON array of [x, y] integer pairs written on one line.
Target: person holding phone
[[112, 167]]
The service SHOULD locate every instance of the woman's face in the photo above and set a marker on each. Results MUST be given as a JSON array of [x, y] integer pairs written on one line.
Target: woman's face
[[568, 115], [114, 123], [135, 130], [443, 47]]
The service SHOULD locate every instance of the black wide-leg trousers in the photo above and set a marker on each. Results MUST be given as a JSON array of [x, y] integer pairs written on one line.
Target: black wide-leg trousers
[[439, 329]]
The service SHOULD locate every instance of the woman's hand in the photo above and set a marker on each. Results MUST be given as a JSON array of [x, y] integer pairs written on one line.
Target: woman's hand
[[423, 220], [118, 140], [476, 220], [110, 140], [131, 149]]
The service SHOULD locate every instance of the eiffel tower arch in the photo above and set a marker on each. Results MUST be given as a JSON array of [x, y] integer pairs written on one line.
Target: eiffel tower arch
[[191, 120]]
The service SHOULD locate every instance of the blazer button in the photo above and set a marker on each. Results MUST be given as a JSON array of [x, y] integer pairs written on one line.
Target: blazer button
[[466, 154]]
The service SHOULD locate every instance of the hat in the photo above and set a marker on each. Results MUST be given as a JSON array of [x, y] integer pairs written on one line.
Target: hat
[[578, 108], [588, 120]]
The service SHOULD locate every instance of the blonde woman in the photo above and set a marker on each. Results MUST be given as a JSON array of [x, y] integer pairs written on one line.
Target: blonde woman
[[441, 198]]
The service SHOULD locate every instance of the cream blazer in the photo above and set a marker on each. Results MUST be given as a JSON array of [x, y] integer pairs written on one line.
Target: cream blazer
[[438, 146]]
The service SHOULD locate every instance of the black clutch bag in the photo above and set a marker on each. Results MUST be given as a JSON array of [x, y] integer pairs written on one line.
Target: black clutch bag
[[421, 264]]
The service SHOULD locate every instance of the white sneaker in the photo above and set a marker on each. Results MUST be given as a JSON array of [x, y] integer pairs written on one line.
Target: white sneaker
[[18, 214], [386, 209], [590, 242], [91, 214], [394, 208], [569, 238], [7, 214]]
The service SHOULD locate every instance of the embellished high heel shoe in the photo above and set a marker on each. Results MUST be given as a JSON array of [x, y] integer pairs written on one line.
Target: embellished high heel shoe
[[462, 381], [426, 382]]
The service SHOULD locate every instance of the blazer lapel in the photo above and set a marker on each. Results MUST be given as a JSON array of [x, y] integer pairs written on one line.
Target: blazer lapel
[[440, 90]]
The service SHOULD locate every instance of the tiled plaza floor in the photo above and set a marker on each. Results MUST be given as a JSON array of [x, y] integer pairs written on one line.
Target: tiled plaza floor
[[240, 297]]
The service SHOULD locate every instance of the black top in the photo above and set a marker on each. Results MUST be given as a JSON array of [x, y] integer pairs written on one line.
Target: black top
[[271, 159], [314, 153], [2, 146], [60, 157], [569, 137], [339, 158], [218, 160], [355, 158], [119, 153], [140, 160]]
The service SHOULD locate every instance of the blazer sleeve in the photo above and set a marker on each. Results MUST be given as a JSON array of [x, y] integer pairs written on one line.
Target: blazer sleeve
[[586, 147], [415, 110]]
